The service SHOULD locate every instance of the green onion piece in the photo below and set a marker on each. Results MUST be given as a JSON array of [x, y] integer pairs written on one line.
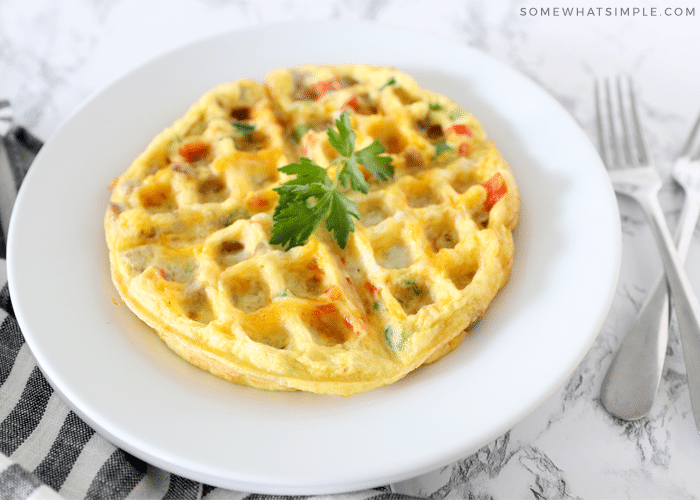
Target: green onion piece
[[389, 337], [244, 128], [237, 214], [390, 81], [298, 133], [441, 147], [457, 114], [413, 285]]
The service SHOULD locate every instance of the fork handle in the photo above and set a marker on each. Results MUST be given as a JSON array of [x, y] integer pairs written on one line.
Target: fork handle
[[686, 303], [632, 380]]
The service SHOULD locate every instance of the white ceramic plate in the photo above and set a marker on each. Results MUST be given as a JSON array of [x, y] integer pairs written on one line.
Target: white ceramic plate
[[117, 375]]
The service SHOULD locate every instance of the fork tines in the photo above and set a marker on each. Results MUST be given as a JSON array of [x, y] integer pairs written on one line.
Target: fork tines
[[620, 139]]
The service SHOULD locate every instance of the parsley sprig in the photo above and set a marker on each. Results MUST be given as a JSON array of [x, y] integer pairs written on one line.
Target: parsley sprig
[[305, 201]]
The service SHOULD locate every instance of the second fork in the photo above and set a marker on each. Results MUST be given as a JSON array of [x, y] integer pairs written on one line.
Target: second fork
[[633, 175], [633, 378]]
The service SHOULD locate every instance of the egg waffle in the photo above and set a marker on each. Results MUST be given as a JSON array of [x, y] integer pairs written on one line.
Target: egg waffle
[[189, 224]]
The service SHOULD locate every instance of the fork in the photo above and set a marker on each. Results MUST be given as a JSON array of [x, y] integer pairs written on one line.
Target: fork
[[633, 377], [633, 174]]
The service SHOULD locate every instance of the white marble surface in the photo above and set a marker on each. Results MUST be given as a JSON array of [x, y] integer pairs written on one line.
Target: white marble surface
[[54, 54]]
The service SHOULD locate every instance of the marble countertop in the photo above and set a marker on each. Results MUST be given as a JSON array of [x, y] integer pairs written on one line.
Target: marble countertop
[[53, 55]]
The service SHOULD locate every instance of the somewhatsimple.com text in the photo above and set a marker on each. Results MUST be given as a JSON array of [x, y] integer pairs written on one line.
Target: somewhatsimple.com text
[[608, 11]]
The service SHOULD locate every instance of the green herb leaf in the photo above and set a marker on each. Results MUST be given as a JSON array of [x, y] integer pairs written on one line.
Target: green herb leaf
[[351, 174], [294, 220], [436, 106], [378, 166], [307, 172], [309, 198], [339, 221], [343, 141]]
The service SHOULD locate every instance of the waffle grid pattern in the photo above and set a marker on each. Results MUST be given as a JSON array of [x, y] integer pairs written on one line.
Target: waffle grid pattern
[[188, 226]]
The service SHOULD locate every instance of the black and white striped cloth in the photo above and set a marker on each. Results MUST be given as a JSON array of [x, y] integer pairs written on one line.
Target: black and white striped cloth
[[47, 452]]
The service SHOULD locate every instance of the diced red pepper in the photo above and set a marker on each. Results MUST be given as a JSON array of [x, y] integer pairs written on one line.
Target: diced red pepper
[[327, 308], [460, 129], [371, 287], [258, 203], [322, 88], [352, 104], [193, 151], [464, 149], [496, 188], [348, 324], [321, 310]]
